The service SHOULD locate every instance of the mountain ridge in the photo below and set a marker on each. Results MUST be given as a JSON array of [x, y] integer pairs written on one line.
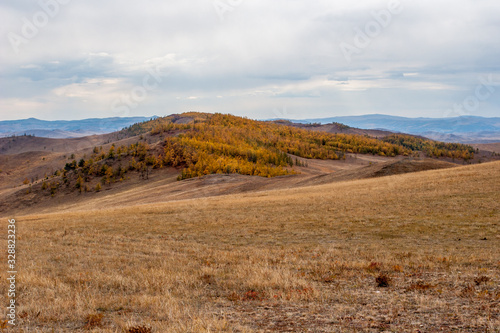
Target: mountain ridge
[[464, 129], [67, 128]]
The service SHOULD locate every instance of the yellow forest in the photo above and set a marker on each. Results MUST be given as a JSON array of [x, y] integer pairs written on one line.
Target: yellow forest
[[201, 144]]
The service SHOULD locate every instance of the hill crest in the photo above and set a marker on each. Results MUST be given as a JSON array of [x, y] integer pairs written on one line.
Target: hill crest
[[193, 145]]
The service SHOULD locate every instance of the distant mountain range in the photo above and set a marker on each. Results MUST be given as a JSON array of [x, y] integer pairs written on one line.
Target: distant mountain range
[[66, 128], [466, 129]]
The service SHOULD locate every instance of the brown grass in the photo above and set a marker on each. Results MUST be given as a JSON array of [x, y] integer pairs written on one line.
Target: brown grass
[[94, 320], [140, 329], [297, 260]]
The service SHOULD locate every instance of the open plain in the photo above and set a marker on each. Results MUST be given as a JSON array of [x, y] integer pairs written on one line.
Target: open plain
[[416, 252]]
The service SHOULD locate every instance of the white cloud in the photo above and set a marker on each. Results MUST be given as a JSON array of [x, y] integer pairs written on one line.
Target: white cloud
[[262, 56], [90, 88], [30, 66]]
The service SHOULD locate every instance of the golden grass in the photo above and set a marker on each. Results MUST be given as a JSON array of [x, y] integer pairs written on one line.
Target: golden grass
[[299, 260]]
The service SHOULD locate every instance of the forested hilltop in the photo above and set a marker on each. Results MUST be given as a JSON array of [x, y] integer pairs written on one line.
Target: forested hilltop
[[200, 144]]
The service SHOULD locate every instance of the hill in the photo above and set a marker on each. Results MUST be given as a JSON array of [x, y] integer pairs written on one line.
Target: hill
[[163, 186], [195, 145], [66, 128], [412, 252], [465, 129], [335, 127], [27, 143], [491, 147]]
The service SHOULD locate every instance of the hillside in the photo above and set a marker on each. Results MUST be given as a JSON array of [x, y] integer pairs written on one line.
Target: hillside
[[490, 147], [465, 129], [334, 127], [27, 143], [193, 145], [404, 253], [163, 186]]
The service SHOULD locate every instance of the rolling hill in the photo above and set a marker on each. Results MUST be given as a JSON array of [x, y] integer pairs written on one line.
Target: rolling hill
[[40, 174], [66, 128], [215, 223], [465, 129], [398, 253]]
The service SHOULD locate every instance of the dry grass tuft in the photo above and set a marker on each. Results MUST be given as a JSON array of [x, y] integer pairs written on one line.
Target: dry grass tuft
[[468, 291], [93, 321], [207, 278], [419, 286], [140, 329], [398, 268], [481, 279], [328, 278], [234, 297], [252, 295], [374, 266]]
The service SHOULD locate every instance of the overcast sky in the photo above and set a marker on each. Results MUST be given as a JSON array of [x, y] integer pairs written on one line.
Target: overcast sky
[[74, 59]]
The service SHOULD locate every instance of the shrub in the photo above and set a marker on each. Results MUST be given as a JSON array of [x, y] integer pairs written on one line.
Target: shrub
[[383, 280]]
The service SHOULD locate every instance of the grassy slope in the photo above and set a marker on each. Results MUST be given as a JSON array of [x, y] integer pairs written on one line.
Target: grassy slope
[[162, 185], [489, 147], [221, 144], [288, 260]]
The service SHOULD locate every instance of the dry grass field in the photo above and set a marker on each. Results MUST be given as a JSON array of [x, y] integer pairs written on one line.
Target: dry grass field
[[489, 147], [418, 252]]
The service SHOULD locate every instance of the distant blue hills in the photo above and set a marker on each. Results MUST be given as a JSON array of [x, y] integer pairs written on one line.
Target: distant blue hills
[[67, 128], [456, 129], [464, 124]]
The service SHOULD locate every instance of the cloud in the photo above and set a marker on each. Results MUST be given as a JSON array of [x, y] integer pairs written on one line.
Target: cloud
[[261, 56]]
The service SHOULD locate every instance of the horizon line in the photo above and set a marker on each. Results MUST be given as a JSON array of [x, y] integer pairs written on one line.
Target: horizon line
[[258, 119]]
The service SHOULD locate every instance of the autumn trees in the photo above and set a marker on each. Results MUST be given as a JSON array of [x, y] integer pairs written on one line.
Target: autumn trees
[[432, 148], [200, 144]]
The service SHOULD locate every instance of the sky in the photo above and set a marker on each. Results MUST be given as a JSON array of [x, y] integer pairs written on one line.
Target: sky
[[295, 59]]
